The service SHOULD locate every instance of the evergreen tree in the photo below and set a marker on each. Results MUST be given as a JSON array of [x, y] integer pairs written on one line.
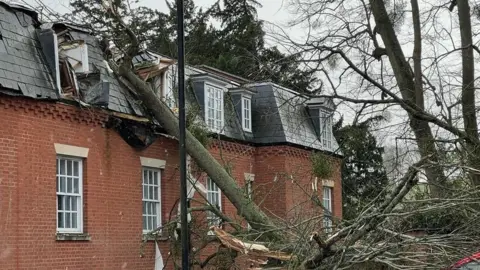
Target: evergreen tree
[[237, 46], [363, 173]]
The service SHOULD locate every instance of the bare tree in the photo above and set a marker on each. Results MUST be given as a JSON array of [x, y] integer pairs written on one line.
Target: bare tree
[[367, 42], [381, 234]]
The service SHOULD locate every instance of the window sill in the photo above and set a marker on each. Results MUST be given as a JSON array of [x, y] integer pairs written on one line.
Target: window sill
[[154, 237], [73, 237]]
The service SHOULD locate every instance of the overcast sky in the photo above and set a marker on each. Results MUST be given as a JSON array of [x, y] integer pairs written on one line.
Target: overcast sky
[[271, 10]]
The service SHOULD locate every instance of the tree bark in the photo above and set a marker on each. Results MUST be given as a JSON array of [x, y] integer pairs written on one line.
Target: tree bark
[[250, 211], [405, 80], [417, 55], [468, 88]]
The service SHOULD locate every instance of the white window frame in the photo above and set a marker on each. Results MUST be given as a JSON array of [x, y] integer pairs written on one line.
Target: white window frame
[[211, 217], [79, 195], [217, 124], [325, 119], [157, 202], [327, 204], [247, 114]]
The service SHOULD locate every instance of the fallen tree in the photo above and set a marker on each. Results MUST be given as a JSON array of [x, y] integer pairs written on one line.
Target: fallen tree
[[371, 237]]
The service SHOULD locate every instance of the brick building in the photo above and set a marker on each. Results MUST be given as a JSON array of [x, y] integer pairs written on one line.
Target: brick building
[[85, 173]]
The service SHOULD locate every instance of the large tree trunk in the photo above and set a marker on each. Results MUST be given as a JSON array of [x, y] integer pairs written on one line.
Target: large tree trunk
[[410, 93], [250, 211], [468, 88]]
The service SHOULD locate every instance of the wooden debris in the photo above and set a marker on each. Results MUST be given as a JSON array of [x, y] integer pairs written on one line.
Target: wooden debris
[[259, 252]]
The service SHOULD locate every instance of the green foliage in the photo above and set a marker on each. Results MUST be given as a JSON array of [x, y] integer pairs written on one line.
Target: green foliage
[[237, 46], [197, 128], [321, 165], [363, 174]]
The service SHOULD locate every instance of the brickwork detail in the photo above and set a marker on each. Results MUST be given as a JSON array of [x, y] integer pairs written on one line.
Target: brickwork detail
[[233, 148], [64, 112], [112, 186]]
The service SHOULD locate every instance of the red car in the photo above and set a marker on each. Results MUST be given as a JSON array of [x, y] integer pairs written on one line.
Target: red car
[[468, 263]]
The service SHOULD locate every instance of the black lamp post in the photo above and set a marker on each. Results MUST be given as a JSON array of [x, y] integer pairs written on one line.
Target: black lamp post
[[181, 139]]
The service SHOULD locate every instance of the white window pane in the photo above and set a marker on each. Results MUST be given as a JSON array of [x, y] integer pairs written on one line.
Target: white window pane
[[155, 178], [62, 167], [68, 220], [62, 184], [74, 203], [145, 176], [155, 193], [66, 203], [60, 220], [76, 169], [69, 185], [150, 177], [61, 202], [144, 222], [74, 220], [76, 184], [69, 167]]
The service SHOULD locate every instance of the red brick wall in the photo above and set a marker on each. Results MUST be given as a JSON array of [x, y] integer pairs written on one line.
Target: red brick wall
[[112, 187]]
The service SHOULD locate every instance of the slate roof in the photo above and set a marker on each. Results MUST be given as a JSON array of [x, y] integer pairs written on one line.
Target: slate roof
[[120, 99], [279, 115], [288, 121], [23, 70], [23, 66]]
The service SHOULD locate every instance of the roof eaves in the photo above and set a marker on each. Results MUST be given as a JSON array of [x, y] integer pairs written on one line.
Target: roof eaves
[[224, 74]]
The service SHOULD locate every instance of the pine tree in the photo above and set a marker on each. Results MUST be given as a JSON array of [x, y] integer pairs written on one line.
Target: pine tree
[[363, 173], [237, 46]]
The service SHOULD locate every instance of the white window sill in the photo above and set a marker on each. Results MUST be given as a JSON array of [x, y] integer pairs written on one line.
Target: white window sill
[[159, 236], [73, 237]]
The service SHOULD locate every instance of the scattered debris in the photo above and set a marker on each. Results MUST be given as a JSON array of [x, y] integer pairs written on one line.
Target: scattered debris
[[258, 252]]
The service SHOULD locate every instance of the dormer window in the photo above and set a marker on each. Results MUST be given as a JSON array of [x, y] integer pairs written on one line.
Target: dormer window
[[76, 53], [214, 107], [321, 111], [247, 114], [156, 70], [326, 128]]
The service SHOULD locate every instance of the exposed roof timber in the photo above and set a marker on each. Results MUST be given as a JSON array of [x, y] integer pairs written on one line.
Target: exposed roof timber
[[71, 26]]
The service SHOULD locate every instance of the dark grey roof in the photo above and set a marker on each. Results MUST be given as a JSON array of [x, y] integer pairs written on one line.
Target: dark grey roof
[[279, 115], [23, 64], [120, 99], [23, 70]]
